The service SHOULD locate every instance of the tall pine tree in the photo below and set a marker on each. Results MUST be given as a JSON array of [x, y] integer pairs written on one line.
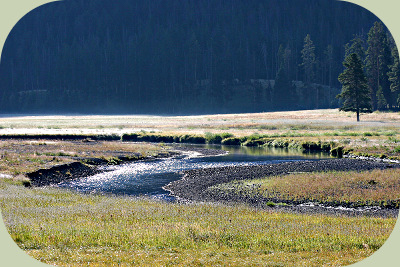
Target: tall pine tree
[[394, 76], [356, 45], [377, 63], [309, 65], [355, 93]]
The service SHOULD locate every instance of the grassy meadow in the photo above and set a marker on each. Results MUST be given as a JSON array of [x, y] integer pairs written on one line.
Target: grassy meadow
[[315, 122], [65, 228]]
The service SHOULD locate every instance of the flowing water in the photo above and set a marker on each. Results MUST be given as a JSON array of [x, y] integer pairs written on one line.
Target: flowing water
[[148, 177]]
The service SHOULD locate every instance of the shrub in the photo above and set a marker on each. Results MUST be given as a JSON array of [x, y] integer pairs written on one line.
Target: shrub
[[193, 139], [231, 141], [226, 135], [294, 144], [254, 136], [130, 137], [280, 143], [213, 138], [326, 146]]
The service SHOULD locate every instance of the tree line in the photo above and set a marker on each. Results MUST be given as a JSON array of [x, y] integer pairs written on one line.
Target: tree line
[[185, 56], [371, 77]]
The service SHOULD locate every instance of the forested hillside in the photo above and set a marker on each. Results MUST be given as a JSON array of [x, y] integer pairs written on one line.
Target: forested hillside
[[178, 56]]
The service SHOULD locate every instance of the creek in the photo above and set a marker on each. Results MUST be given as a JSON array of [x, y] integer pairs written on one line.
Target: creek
[[149, 176]]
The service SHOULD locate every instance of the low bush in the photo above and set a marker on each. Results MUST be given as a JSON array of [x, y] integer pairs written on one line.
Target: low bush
[[213, 138], [326, 146], [232, 141], [130, 137], [254, 136], [280, 143], [193, 139], [226, 135]]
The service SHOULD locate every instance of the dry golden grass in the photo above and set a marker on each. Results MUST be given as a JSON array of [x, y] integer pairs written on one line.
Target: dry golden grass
[[367, 188], [18, 157]]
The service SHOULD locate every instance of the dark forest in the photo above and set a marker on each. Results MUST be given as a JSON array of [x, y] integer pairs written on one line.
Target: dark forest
[[179, 56]]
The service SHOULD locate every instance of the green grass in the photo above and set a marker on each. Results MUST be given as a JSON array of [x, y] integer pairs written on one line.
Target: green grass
[[64, 228]]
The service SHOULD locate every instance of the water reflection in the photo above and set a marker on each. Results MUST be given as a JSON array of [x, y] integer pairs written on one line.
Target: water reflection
[[148, 177], [269, 151]]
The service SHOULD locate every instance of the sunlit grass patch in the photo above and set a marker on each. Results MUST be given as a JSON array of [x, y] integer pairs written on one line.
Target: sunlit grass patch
[[19, 157], [367, 188], [66, 228]]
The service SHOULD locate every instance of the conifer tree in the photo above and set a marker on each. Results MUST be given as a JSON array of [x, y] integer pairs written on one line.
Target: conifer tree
[[381, 100], [377, 62], [394, 76], [355, 93], [309, 59], [308, 64], [356, 45]]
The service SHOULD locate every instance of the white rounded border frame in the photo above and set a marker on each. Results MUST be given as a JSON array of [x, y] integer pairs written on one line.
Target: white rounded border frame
[[11, 11]]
